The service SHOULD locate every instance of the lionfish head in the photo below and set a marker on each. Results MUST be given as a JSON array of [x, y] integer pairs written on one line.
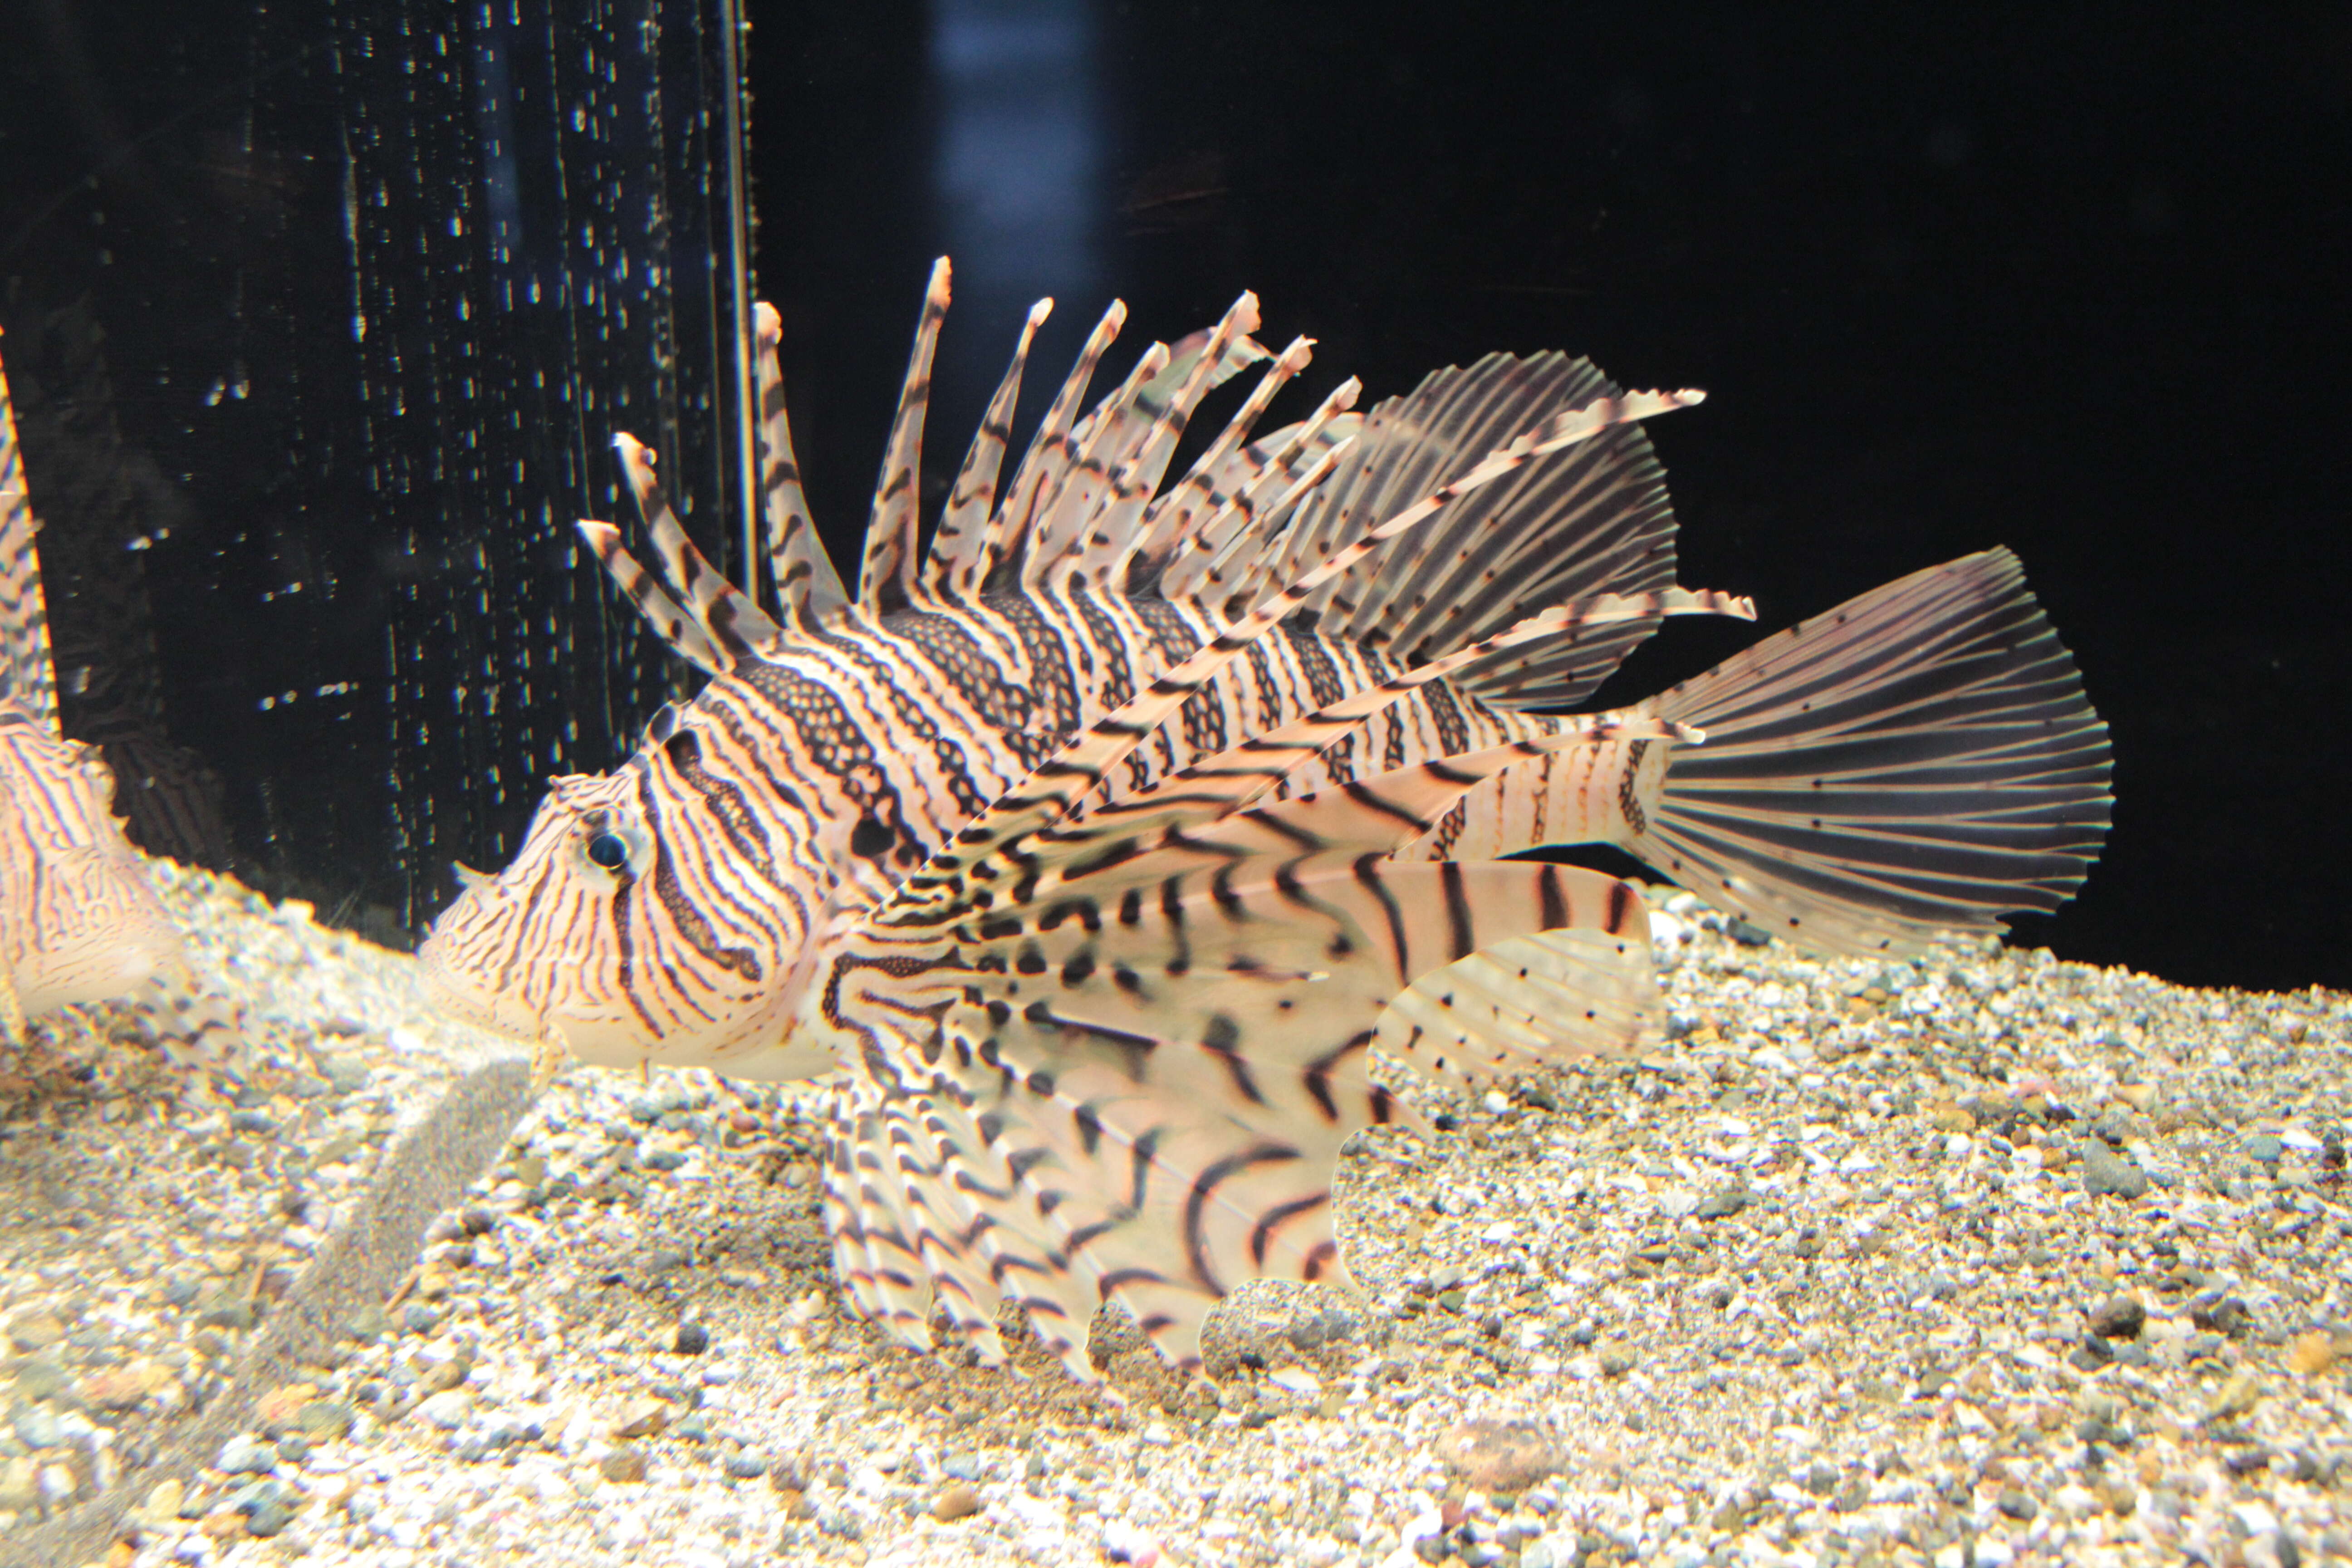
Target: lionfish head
[[628, 929]]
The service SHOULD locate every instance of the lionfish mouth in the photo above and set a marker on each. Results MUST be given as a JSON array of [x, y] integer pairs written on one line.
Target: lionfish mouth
[[471, 1005]]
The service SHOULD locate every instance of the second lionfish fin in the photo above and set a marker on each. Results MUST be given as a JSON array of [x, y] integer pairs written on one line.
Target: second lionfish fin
[[887, 579], [1918, 758], [957, 557], [27, 677], [808, 589]]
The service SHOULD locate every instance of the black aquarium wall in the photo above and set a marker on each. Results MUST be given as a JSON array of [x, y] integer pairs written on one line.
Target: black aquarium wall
[[322, 315]]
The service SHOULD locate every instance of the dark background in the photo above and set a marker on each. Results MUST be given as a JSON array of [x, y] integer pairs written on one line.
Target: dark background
[[2071, 279]]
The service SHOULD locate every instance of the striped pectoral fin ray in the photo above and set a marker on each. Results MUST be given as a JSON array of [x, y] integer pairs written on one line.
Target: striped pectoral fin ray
[[808, 589], [887, 580], [893, 1243], [1139, 1098], [27, 678], [1919, 759]]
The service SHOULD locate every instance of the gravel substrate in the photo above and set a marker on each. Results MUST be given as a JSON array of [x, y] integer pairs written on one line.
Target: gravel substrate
[[1982, 1259]]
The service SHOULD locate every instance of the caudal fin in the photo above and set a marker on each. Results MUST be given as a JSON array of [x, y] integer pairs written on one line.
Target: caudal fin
[[1919, 759]]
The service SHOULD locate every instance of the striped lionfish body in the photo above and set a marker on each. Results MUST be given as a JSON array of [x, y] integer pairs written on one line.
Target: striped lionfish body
[[1095, 847], [80, 921]]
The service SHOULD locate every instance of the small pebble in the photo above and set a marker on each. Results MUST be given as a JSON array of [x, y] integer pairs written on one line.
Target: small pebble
[[2119, 1317], [2108, 1174], [1725, 1202], [956, 1501], [245, 1455], [36, 1428], [34, 1331], [624, 1462], [1499, 1455]]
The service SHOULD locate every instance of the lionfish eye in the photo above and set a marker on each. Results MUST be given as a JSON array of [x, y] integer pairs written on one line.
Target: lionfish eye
[[609, 850]]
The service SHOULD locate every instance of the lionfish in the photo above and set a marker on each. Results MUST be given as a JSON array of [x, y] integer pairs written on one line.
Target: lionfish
[[79, 918], [1096, 849]]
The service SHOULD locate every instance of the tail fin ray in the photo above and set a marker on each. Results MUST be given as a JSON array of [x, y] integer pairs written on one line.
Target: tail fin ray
[[1922, 758]]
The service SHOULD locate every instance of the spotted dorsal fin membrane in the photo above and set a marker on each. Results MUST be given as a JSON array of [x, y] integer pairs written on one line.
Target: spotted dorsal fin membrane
[[1919, 759], [1226, 467], [808, 590], [1056, 789], [887, 581], [957, 557], [1102, 439], [27, 676], [1124, 446]]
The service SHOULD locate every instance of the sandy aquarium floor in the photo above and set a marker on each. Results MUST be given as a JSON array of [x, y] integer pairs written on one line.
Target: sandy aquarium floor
[[1982, 1259]]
